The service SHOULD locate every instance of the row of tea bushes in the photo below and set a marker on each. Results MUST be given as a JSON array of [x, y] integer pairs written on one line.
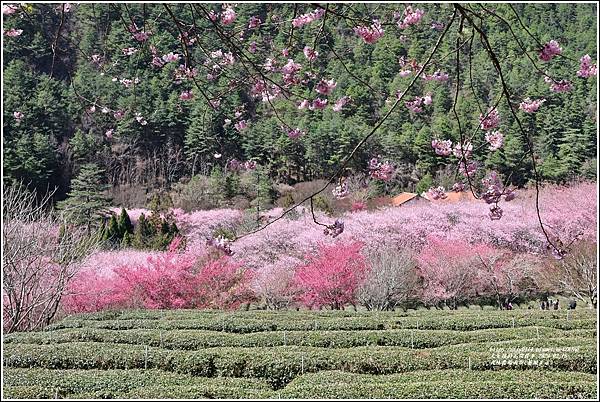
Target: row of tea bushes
[[200, 339]]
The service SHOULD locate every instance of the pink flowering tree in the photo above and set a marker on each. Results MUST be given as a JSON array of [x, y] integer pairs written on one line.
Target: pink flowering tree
[[449, 269], [332, 276], [240, 68]]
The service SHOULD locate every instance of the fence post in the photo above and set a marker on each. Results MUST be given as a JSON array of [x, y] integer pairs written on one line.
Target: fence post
[[146, 358], [470, 363], [513, 322], [284, 341], [302, 365], [412, 339]]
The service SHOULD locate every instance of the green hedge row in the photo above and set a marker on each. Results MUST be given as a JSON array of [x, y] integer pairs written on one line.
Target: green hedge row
[[445, 390], [198, 339], [46, 383], [286, 315], [43, 383], [235, 325], [279, 365]]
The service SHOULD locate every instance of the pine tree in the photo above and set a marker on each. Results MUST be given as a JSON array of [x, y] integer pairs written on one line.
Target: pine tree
[[86, 204], [143, 231], [124, 222], [112, 232]]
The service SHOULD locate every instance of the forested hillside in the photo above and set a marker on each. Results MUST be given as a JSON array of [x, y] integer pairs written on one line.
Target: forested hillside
[[79, 88]]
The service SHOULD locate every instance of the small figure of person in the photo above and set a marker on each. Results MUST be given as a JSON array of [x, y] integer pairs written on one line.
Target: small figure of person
[[543, 305], [555, 304], [509, 306], [572, 304]]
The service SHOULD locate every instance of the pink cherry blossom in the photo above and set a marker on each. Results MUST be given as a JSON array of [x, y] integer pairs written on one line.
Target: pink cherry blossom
[[105, 110], [438, 26], [381, 171], [415, 105], [96, 58], [140, 119], [250, 165], [409, 17], [13, 32], [586, 68], [550, 50], [213, 16], [157, 62], [318, 104], [442, 147], [341, 103], [404, 73], [469, 169], [458, 187], [531, 106], [427, 99], [142, 36], [186, 95], [560, 86], [491, 120], [495, 212], [463, 150], [436, 76], [119, 114], [252, 47], [341, 190], [18, 116], [254, 22], [241, 125], [304, 104], [8, 9], [370, 34], [109, 133], [295, 133], [291, 67], [495, 139], [170, 57], [310, 53], [228, 16], [307, 18], [129, 51], [334, 230], [325, 87], [234, 165], [437, 193]]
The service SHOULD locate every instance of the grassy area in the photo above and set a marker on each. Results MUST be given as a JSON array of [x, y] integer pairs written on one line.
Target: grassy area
[[341, 354]]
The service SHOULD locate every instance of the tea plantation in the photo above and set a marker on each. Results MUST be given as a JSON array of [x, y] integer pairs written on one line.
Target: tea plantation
[[302, 354]]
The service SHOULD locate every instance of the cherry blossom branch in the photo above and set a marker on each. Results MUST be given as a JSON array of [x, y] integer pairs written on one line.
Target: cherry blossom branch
[[506, 92], [365, 138]]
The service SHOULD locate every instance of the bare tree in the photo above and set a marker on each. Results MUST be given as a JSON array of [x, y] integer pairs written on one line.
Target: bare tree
[[577, 273], [392, 279], [41, 255]]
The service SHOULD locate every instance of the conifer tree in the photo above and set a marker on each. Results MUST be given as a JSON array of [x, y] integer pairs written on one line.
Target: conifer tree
[[86, 204]]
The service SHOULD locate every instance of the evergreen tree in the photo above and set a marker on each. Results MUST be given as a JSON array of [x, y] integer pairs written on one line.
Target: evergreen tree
[[86, 204], [124, 223]]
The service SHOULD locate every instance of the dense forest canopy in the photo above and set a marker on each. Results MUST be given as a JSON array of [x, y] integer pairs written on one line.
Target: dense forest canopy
[[155, 93]]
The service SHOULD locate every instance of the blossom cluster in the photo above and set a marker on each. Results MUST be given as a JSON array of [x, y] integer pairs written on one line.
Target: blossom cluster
[[381, 170], [370, 34], [409, 17]]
